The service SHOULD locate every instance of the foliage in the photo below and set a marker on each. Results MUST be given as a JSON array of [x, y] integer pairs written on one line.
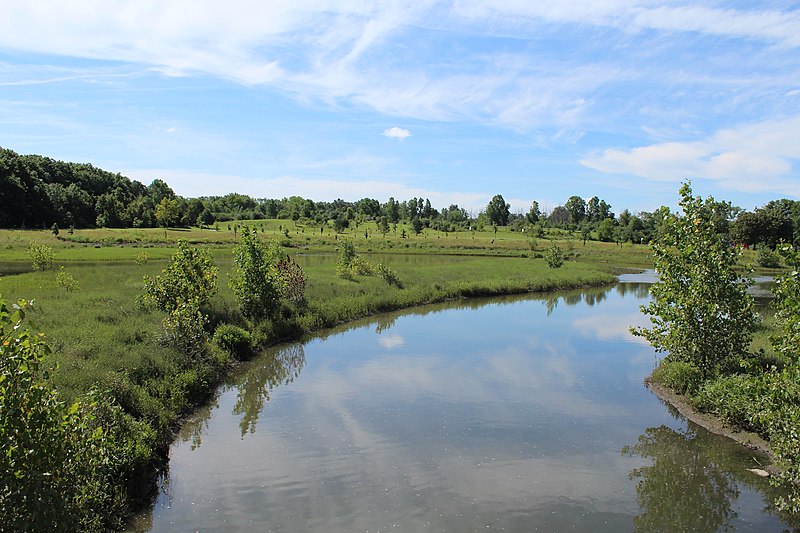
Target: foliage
[[389, 276], [787, 306], [184, 330], [189, 278], [680, 376], [765, 403], [61, 468], [554, 256], [347, 254], [65, 280], [767, 258], [236, 341], [605, 230], [254, 281], [700, 312], [292, 278], [41, 255], [142, 258], [498, 210]]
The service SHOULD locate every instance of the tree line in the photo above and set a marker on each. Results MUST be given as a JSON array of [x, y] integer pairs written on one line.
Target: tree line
[[40, 192]]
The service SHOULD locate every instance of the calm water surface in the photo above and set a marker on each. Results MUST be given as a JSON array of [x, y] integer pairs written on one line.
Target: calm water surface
[[515, 414]]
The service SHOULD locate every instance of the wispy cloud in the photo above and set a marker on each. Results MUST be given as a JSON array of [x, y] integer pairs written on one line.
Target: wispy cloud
[[756, 157], [396, 133]]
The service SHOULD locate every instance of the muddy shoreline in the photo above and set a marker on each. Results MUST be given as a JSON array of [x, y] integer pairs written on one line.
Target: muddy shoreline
[[712, 423]]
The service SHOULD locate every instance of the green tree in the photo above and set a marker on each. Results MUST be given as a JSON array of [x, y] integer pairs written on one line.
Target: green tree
[[42, 256], [168, 212], [190, 277], [533, 213], [701, 312], [254, 281], [498, 210], [576, 207], [605, 230]]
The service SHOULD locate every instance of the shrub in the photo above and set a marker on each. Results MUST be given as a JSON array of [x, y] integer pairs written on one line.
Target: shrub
[[190, 277], [65, 280], [184, 330], [554, 256], [235, 340], [680, 376], [42, 256], [62, 468], [254, 281], [389, 276], [142, 258], [700, 311], [767, 258], [293, 279]]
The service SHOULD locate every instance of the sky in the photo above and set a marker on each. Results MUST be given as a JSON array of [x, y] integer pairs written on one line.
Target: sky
[[455, 100]]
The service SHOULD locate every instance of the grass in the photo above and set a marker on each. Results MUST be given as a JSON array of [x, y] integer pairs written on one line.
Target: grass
[[101, 336]]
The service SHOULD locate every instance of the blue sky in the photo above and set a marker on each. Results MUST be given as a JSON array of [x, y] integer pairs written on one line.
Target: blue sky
[[454, 100]]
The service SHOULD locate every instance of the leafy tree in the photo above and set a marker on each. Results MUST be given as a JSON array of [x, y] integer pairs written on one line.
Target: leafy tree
[[498, 210], [559, 215], [576, 207], [42, 256], [254, 281], [768, 225], [701, 312], [554, 256], [168, 212], [190, 277], [605, 230], [533, 213]]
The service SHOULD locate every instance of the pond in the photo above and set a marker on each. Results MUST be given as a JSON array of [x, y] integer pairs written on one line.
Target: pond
[[513, 414]]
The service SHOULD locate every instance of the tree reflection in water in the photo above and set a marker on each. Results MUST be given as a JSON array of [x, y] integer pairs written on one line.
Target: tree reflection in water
[[685, 488], [281, 366]]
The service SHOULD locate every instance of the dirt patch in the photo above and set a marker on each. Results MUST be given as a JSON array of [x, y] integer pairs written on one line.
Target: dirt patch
[[711, 423]]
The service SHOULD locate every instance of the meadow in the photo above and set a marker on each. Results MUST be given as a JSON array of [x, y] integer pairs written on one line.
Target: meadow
[[88, 303]]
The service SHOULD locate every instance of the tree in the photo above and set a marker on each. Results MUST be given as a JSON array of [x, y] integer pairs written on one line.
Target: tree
[[254, 281], [533, 213], [190, 277], [605, 230], [701, 312], [576, 207], [498, 210], [168, 212]]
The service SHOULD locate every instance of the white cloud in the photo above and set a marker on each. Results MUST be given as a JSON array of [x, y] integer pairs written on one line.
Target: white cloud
[[337, 50], [396, 133], [755, 157]]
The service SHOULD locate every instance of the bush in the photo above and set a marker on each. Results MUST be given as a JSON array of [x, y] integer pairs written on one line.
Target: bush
[[554, 256], [142, 258], [389, 276], [62, 468], [767, 258], [254, 281], [184, 330], [42, 256], [292, 278], [65, 280], [235, 340], [680, 376], [190, 277]]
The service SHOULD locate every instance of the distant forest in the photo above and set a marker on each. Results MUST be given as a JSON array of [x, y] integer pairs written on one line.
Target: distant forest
[[40, 192]]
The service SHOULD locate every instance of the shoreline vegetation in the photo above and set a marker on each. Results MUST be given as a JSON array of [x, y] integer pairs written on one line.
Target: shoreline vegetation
[[142, 323], [150, 365]]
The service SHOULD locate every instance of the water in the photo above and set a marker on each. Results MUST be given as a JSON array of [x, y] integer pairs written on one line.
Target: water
[[512, 414]]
